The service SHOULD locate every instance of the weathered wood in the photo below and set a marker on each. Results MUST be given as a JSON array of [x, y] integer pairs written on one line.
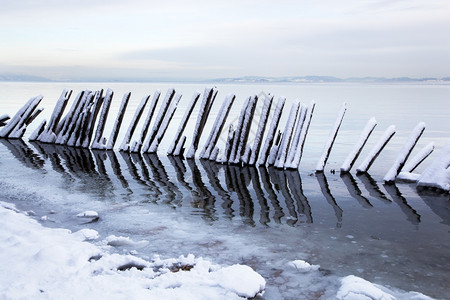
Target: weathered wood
[[70, 118], [99, 141], [183, 123], [404, 153], [331, 138], [77, 130], [287, 136], [353, 155], [6, 130], [296, 135], [162, 129], [246, 129], [179, 149], [271, 133], [86, 140], [228, 145], [118, 122], [37, 131], [208, 99], [19, 129], [125, 146], [376, 150], [217, 127], [255, 150]]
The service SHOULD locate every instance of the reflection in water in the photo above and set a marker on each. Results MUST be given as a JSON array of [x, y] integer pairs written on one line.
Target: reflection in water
[[257, 194]]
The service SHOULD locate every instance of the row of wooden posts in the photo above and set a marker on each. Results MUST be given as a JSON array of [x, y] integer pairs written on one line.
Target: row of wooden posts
[[282, 149]]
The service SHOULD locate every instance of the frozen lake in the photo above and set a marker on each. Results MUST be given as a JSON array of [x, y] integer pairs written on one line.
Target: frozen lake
[[393, 235]]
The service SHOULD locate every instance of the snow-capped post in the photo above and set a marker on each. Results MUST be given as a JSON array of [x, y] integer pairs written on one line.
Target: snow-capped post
[[118, 122], [301, 142], [137, 145], [237, 132], [159, 118], [33, 137], [98, 143], [208, 99], [179, 149], [89, 129], [332, 137], [182, 126], [165, 123], [70, 119], [287, 136], [296, 135], [357, 148], [8, 128], [77, 130], [414, 162], [404, 153], [217, 127], [20, 126], [48, 135], [376, 150], [255, 150], [228, 146], [437, 174], [214, 154], [249, 113], [272, 130], [125, 146]]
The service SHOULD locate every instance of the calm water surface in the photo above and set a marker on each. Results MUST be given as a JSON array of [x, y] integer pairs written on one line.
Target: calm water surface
[[394, 235]]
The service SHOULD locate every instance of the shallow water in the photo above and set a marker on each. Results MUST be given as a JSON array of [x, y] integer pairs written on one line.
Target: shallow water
[[264, 217]]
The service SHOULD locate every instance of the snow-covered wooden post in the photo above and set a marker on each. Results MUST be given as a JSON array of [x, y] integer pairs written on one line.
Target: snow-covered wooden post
[[414, 162], [208, 99], [228, 146], [437, 174], [21, 116], [159, 119], [287, 135], [357, 148], [76, 130], [184, 121], [217, 127], [118, 122], [237, 132], [296, 135], [332, 137], [48, 135], [246, 125], [99, 140], [179, 149], [137, 145], [70, 119], [255, 150], [3, 119], [272, 130], [21, 125], [89, 129], [165, 123], [376, 150], [301, 142], [125, 146], [404, 153]]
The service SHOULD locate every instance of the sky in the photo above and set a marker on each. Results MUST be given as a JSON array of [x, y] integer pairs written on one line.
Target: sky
[[194, 40]]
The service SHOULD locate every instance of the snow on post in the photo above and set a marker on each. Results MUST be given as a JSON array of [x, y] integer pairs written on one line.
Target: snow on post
[[85, 141], [159, 118], [165, 123], [48, 135], [357, 148], [376, 150], [228, 145], [237, 132], [125, 146], [217, 127], [249, 113], [118, 122], [296, 136], [98, 139], [5, 131], [3, 119], [37, 131], [77, 130], [332, 137], [19, 128], [272, 130], [208, 99], [137, 145], [414, 162], [437, 175], [287, 136], [301, 142], [182, 126], [71, 118], [404, 153], [255, 150], [179, 149]]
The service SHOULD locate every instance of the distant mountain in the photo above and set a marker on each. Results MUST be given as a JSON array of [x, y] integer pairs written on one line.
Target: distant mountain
[[329, 79], [22, 77]]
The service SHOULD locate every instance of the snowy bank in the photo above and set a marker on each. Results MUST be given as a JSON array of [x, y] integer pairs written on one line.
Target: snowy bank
[[41, 262]]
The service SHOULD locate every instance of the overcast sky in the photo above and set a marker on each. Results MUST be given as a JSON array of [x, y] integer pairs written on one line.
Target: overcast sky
[[114, 39]]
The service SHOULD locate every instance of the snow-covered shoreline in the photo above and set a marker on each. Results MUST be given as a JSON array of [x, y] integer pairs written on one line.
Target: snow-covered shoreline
[[49, 263]]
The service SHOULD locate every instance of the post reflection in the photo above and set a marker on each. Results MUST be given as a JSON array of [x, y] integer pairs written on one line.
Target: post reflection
[[252, 195]]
